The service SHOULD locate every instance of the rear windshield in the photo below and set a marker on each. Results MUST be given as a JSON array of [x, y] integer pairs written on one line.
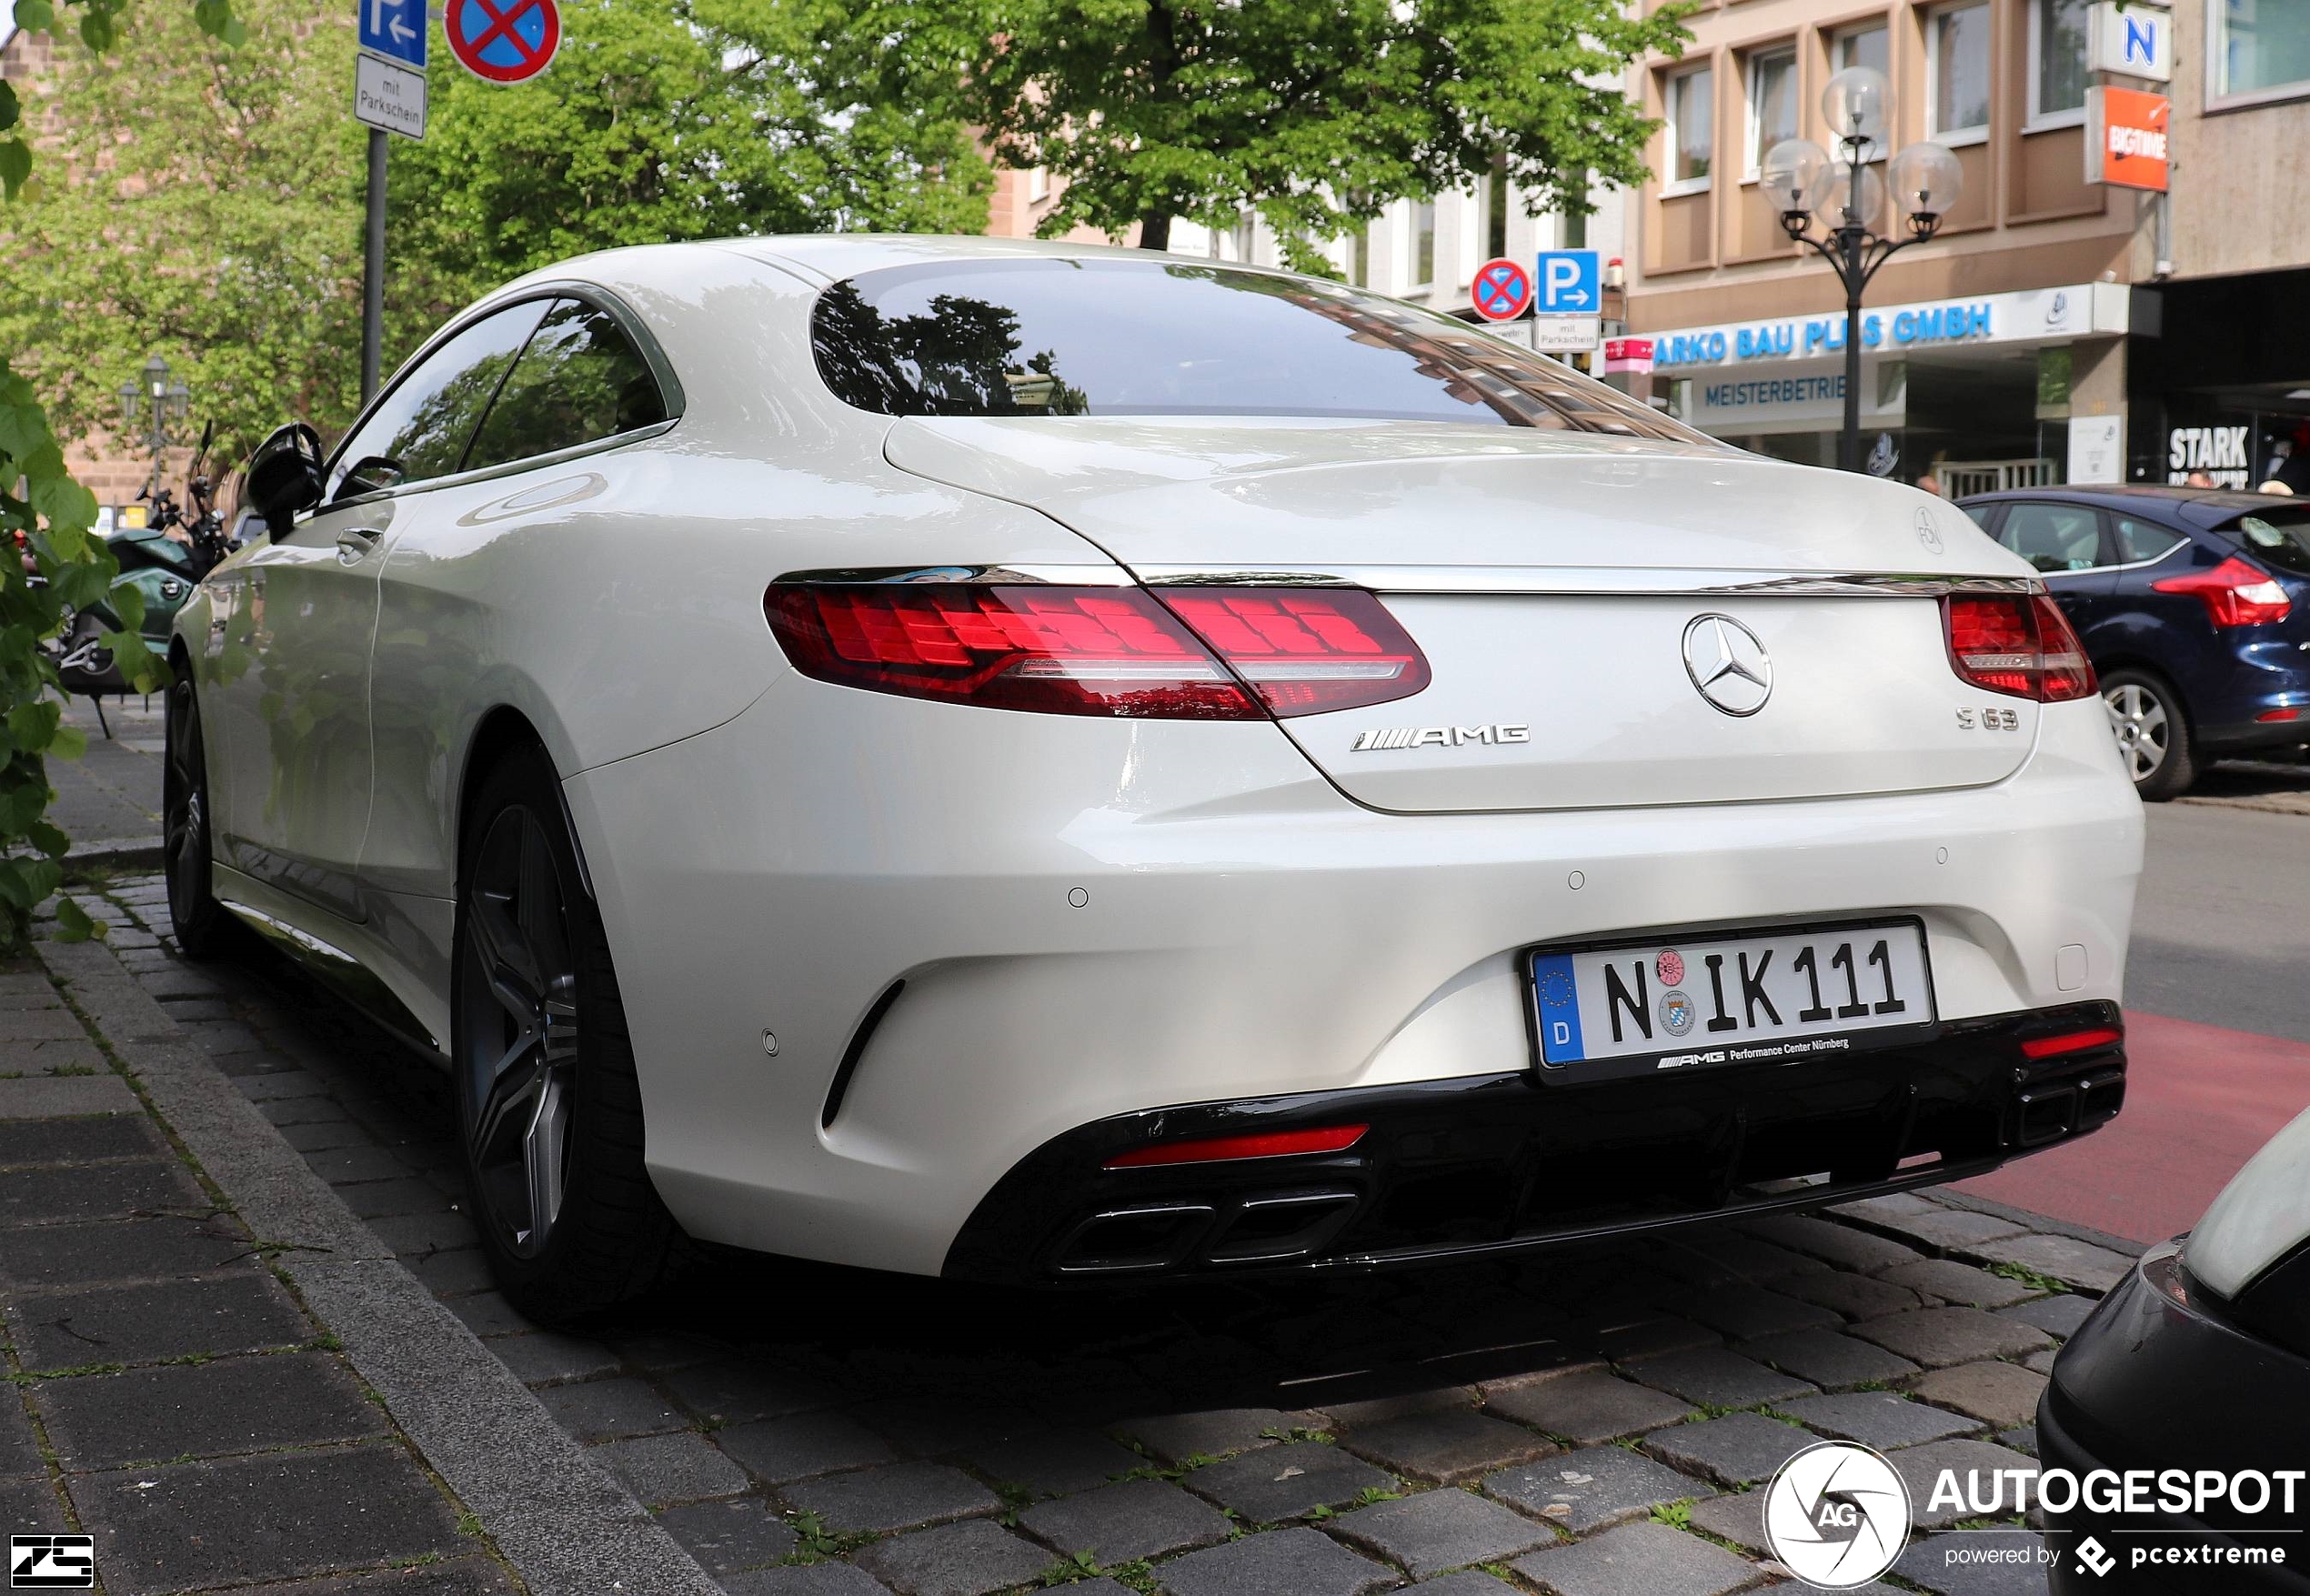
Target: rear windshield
[[2276, 536], [1167, 337]]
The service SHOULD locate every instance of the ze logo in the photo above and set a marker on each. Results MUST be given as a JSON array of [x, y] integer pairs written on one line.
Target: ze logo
[[51, 1563]]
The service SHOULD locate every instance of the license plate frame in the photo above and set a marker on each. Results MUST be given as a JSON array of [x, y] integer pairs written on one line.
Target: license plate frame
[[1697, 1054]]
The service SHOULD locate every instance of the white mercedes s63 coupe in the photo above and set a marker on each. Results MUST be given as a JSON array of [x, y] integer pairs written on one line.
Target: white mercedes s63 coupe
[[1038, 764]]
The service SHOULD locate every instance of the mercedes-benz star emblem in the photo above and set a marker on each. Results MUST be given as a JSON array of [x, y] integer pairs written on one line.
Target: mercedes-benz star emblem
[[1727, 664]]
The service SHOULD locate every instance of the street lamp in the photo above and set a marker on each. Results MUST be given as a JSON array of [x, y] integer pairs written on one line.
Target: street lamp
[[151, 404], [1803, 182]]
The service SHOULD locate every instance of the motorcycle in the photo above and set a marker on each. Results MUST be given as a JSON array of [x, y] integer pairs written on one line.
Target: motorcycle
[[163, 568]]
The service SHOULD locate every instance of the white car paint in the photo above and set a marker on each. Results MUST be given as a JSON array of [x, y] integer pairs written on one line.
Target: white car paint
[[1262, 910]]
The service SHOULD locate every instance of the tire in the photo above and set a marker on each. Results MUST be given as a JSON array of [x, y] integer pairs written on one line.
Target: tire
[[2153, 732], [204, 928], [549, 1112]]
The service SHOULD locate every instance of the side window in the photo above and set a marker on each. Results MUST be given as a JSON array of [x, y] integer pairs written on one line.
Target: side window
[[580, 380], [2140, 540], [1982, 514], [2053, 538], [421, 429]]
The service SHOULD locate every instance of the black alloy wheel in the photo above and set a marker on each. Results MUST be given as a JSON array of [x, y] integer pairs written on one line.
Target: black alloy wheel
[[520, 1032], [203, 925], [549, 1105]]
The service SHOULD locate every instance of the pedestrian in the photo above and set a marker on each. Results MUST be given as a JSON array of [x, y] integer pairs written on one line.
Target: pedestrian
[[2198, 479], [1929, 483]]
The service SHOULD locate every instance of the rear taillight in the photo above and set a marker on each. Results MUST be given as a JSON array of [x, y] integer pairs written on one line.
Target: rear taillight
[[1306, 650], [1238, 655], [2015, 643], [2235, 593]]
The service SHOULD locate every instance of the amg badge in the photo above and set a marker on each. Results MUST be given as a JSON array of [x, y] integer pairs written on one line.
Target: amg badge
[[1440, 737]]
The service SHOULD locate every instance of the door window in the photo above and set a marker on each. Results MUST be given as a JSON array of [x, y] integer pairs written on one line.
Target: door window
[[580, 380], [421, 429], [2140, 540], [2053, 538]]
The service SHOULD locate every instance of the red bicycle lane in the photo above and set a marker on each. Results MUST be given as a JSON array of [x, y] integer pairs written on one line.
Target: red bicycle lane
[[2200, 1100]]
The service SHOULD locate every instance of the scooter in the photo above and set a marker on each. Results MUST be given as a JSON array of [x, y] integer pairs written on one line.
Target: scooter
[[163, 569]]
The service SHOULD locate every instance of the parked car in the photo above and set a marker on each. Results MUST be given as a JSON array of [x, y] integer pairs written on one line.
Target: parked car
[[1036, 762], [2199, 1362], [2193, 605]]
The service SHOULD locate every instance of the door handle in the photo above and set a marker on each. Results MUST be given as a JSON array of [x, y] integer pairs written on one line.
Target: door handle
[[354, 542]]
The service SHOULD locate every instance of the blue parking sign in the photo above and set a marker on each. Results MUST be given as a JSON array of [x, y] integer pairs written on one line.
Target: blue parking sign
[[394, 29], [1567, 282]]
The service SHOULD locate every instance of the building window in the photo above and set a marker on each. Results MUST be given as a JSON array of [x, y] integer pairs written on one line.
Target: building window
[[1496, 211], [1360, 256], [1423, 243], [1575, 232], [1039, 184], [2258, 48], [1691, 130], [2056, 62], [1773, 102], [1868, 45], [1957, 69], [1246, 235]]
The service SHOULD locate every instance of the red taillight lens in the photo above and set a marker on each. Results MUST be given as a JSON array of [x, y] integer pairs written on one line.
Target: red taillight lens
[[1275, 1144], [2076, 1041], [1101, 650], [2015, 643], [1059, 650], [1306, 650], [2235, 593]]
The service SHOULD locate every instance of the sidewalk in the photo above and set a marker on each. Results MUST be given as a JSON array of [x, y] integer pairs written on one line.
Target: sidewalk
[[1589, 1424], [111, 796]]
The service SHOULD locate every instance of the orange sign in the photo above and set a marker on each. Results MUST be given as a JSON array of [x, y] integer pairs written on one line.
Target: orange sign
[[2125, 138]]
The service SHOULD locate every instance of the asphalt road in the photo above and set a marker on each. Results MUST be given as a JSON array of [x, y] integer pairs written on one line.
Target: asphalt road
[[2217, 1001]]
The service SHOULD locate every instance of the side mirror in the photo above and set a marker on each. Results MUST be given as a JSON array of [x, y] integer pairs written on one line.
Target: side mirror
[[285, 474]]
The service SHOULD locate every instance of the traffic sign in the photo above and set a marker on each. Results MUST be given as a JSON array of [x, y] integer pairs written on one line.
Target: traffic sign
[[1568, 282], [504, 41], [394, 29], [1564, 334], [1502, 290], [388, 94]]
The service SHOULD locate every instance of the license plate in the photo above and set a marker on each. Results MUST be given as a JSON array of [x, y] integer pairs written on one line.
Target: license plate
[[1634, 1008]]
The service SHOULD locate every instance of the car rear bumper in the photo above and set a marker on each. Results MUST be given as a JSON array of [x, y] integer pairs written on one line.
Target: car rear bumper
[[1085, 919], [1501, 1163]]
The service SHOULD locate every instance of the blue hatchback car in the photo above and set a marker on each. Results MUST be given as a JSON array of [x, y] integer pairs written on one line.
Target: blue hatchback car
[[2193, 605]]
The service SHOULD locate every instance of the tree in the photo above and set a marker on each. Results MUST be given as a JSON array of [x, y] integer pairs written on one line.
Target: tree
[[1316, 113], [699, 119]]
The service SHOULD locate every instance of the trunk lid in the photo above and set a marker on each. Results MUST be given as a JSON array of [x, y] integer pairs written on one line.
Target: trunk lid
[[1571, 592]]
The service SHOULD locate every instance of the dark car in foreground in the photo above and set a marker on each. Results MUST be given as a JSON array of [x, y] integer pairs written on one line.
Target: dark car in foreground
[[2191, 1382], [2193, 605]]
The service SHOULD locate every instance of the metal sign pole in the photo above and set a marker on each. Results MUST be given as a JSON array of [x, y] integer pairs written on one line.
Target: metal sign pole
[[373, 272]]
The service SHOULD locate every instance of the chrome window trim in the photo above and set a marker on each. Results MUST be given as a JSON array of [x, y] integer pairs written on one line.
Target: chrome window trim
[[1041, 574]]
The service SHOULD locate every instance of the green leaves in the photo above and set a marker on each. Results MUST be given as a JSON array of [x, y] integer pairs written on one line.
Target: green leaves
[[73, 924], [35, 15], [1317, 117]]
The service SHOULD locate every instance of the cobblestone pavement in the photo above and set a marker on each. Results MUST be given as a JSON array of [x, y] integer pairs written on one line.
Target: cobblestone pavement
[[170, 1395], [1588, 1424]]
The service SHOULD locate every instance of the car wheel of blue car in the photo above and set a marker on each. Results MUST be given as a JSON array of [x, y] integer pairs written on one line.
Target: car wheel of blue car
[[2151, 731]]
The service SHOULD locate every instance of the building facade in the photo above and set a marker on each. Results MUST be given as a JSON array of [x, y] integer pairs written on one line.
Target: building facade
[[2045, 300]]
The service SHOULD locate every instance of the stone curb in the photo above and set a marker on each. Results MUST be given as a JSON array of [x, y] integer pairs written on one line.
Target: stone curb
[[568, 1528], [143, 851], [2044, 1223]]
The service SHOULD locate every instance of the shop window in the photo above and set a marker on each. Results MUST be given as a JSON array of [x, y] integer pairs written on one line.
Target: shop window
[[2258, 49], [2053, 538], [2140, 540], [1869, 45], [1772, 103], [1957, 69], [2056, 62], [1691, 130], [1423, 243]]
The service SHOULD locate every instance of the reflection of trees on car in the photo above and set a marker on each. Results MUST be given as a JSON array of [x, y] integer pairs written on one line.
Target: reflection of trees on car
[[958, 358]]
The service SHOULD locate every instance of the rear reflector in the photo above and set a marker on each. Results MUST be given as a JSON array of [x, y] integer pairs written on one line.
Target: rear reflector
[[1111, 651], [2235, 593], [1223, 1148], [2076, 1041], [2015, 643], [1241, 654], [2279, 715], [1306, 650]]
